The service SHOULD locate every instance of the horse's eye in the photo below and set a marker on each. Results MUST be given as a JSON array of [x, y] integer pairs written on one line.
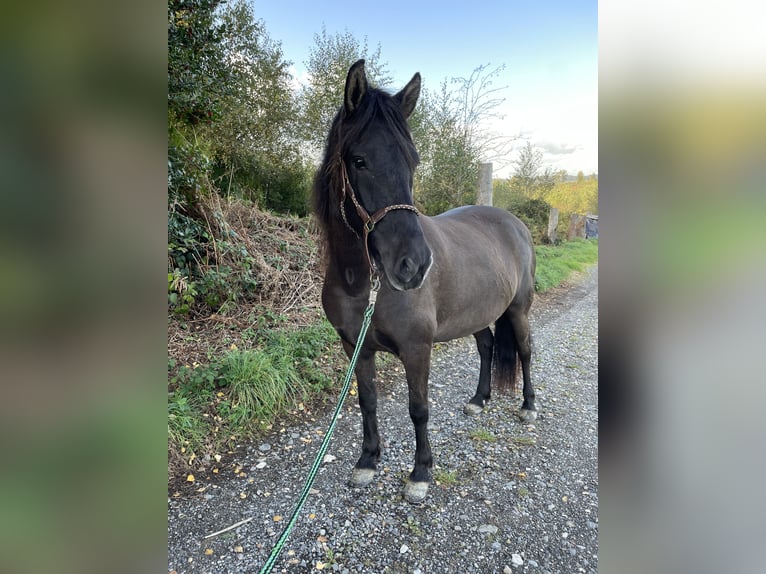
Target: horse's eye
[[358, 162]]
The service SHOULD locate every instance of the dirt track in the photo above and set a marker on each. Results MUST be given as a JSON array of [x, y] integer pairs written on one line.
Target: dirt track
[[510, 497]]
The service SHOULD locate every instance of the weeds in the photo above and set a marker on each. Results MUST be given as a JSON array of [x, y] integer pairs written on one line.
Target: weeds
[[245, 389], [445, 478], [481, 434]]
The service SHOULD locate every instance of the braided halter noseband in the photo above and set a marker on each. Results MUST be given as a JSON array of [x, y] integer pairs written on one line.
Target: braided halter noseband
[[368, 220]]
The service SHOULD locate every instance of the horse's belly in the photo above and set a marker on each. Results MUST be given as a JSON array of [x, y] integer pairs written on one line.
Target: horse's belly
[[461, 322]]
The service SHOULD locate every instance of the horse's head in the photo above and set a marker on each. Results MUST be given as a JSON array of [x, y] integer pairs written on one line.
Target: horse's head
[[379, 160]]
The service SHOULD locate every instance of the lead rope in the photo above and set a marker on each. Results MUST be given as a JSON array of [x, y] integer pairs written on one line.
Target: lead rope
[[267, 567]]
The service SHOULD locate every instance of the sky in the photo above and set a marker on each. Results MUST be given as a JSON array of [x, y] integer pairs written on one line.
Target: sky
[[549, 49]]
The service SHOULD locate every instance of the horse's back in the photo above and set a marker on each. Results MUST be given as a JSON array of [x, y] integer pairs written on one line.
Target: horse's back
[[498, 227]]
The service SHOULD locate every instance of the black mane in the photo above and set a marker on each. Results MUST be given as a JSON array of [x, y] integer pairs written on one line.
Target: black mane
[[347, 128]]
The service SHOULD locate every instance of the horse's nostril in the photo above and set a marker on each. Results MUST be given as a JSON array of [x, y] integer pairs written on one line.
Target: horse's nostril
[[407, 266]]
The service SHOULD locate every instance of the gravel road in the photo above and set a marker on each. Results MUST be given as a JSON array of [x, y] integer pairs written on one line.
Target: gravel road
[[510, 497]]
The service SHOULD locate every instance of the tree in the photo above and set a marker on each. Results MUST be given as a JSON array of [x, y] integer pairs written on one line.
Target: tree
[[450, 129], [257, 150], [197, 78], [448, 172], [329, 61]]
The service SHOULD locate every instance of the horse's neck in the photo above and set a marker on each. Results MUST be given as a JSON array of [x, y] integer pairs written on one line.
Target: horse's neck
[[347, 253]]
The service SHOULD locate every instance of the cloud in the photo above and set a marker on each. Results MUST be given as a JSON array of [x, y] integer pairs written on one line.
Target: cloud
[[558, 148]]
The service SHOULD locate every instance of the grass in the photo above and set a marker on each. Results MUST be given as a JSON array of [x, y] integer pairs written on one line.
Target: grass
[[555, 263], [445, 478], [481, 434], [243, 391]]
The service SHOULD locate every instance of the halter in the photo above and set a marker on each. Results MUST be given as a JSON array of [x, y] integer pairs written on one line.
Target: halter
[[368, 221]]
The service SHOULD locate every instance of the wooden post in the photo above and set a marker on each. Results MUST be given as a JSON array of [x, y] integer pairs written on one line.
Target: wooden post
[[576, 226], [553, 222], [485, 184]]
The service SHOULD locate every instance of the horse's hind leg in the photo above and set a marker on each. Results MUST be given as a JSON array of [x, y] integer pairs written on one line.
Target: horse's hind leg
[[364, 470], [520, 322], [485, 342]]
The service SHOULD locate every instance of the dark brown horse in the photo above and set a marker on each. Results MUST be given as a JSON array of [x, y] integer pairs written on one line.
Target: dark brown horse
[[441, 277]]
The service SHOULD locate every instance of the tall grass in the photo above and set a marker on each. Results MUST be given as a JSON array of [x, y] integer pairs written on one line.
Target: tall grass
[[246, 389], [556, 263]]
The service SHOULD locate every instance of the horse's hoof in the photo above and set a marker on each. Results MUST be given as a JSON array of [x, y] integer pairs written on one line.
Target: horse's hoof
[[361, 477], [472, 410], [527, 416], [415, 492]]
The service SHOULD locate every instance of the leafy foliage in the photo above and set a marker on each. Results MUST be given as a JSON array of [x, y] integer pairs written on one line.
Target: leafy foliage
[[450, 130], [330, 58], [580, 196]]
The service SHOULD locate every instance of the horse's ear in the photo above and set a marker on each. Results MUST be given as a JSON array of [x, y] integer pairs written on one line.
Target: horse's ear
[[409, 95], [356, 86]]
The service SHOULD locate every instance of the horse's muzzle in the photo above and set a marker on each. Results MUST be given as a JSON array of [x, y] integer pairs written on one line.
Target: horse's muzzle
[[408, 274]]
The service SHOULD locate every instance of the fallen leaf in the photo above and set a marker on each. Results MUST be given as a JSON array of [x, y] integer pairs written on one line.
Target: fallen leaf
[[242, 495], [217, 457], [320, 565], [238, 549], [312, 516], [215, 471], [322, 538], [277, 518], [208, 551], [190, 478]]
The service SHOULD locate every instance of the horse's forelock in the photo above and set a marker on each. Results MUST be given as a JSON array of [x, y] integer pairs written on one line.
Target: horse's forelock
[[347, 128]]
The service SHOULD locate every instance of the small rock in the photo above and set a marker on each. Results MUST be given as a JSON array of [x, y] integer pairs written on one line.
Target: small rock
[[591, 524], [260, 465], [516, 559], [532, 563], [264, 447], [487, 529], [404, 549], [329, 458], [507, 570]]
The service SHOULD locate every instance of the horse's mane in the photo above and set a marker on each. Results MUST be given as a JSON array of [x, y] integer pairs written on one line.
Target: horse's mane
[[347, 128]]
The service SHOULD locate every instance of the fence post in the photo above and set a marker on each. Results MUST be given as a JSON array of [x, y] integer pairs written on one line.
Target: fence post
[[485, 184], [553, 222]]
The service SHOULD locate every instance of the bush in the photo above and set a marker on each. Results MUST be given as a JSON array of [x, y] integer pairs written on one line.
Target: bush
[[534, 213]]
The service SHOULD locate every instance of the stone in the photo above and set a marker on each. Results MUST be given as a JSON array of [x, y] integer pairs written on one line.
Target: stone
[[488, 529]]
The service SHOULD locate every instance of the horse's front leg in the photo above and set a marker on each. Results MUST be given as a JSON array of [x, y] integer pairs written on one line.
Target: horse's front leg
[[365, 468], [417, 363]]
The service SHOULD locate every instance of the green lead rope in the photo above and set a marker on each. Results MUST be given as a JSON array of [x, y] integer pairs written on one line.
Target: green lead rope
[[267, 567]]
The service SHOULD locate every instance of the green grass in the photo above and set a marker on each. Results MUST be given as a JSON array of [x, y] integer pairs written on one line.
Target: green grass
[[244, 390], [481, 434], [556, 263], [444, 478]]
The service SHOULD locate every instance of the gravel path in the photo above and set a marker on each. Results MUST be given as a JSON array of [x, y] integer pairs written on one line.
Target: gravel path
[[510, 497]]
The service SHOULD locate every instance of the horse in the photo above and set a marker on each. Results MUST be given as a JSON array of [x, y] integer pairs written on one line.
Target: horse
[[435, 278]]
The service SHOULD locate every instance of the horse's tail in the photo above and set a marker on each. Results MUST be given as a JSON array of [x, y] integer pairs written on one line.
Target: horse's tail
[[505, 364]]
